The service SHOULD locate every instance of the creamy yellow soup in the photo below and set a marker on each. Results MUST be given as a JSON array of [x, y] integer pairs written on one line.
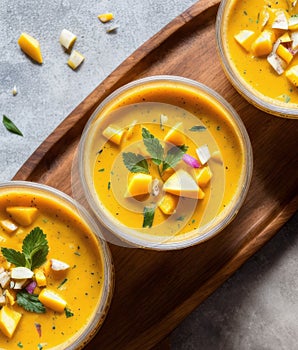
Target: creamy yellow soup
[[158, 107], [71, 241], [254, 70]]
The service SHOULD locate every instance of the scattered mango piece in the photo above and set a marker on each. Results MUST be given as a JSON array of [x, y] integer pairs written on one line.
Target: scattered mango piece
[[292, 75], [139, 184], [284, 53], [75, 59], [264, 43], [40, 278], [9, 320], [52, 300], [113, 133], [31, 47], [24, 216], [67, 39], [168, 203], [181, 183], [203, 176], [245, 38], [8, 226], [175, 135], [105, 17]]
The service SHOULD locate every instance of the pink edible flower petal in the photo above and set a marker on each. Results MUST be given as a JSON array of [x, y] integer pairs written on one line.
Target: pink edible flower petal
[[38, 328], [193, 162], [31, 286]]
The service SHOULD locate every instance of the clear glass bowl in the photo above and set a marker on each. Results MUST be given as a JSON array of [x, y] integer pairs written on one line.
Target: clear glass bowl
[[270, 105], [60, 202], [88, 148]]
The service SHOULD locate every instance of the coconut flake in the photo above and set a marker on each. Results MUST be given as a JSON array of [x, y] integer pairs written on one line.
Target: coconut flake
[[58, 265], [280, 21], [203, 154]]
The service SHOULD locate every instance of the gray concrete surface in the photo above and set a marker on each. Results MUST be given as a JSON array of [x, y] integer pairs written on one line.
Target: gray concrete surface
[[257, 308]]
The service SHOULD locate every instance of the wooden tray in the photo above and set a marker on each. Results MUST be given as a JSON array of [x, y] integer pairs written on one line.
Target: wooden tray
[[156, 290]]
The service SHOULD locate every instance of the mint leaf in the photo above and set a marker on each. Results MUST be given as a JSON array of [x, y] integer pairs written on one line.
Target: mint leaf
[[14, 257], [135, 163], [10, 126], [35, 248], [30, 302], [34, 251], [68, 313], [174, 155], [148, 216], [153, 146]]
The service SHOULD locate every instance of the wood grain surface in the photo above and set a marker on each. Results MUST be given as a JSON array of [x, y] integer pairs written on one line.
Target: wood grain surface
[[155, 290]]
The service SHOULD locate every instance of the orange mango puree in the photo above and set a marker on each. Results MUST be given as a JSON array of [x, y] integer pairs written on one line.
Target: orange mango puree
[[176, 103], [70, 241], [255, 71]]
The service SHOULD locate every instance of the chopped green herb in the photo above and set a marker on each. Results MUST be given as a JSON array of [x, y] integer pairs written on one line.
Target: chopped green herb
[[198, 128], [61, 284], [174, 155], [135, 163], [30, 302], [20, 345], [101, 170], [34, 251], [10, 126], [180, 218], [153, 146], [148, 216], [68, 313], [109, 185]]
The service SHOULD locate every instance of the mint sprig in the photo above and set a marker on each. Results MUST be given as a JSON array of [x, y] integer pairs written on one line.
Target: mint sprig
[[35, 249], [30, 302], [135, 163], [174, 155], [153, 146]]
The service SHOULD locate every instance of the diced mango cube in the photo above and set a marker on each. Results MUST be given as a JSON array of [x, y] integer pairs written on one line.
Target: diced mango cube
[[292, 75], [245, 38], [284, 53], [105, 17], [175, 135], [52, 300], [40, 278], [168, 203], [10, 297], [9, 320], [31, 47], [264, 43], [131, 129], [8, 226], [139, 184], [181, 183], [113, 133], [24, 216], [204, 176]]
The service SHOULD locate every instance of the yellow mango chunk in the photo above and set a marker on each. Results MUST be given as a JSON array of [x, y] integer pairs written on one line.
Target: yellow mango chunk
[[30, 46], [292, 75], [181, 183], [168, 203], [284, 53], [24, 216], [105, 17], [52, 300], [75, 59], [139, 184], [114, 134], [8, 226], [9, 320], [204, 176], [245, 38], [263, 44], [175, 135], [40, 278], [10, 297]]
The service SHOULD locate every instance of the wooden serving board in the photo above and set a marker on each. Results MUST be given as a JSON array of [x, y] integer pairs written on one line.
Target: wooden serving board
[[155, 290]]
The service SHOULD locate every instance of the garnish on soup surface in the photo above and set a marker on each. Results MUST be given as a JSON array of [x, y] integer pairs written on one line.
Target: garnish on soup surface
[[162, 169], [51, 272], [262, 40]]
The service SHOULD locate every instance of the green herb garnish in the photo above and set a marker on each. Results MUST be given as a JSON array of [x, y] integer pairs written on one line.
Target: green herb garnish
[[174, 155], [148, 216], [34, 251], [61, 284], [135, 163], [68, 313], [30, 302], [10, 126], [153, 146], [198, 128]]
